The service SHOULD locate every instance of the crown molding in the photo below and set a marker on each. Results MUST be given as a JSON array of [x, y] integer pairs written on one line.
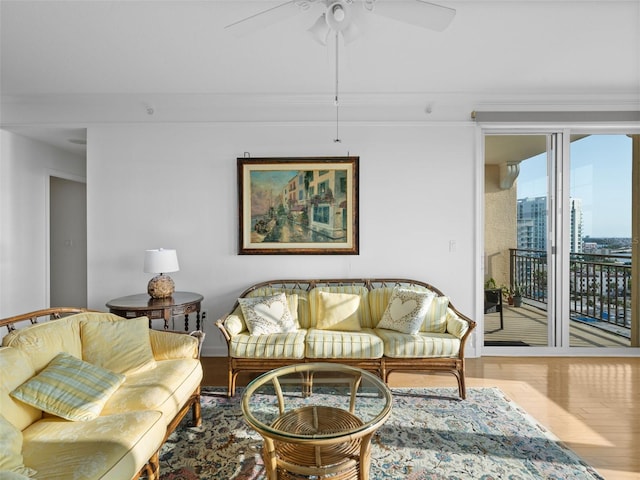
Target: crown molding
[[84, 109]]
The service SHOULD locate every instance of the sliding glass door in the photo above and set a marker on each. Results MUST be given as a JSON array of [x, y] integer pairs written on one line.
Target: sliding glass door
[[600, 240], [517, 229], [558, 241]]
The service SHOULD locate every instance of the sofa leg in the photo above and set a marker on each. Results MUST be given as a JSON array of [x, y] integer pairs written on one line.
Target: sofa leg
[[197, 411], [462, 390], [153, 467], [232, 384]]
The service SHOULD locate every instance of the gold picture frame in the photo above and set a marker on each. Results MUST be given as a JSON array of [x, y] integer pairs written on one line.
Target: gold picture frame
[[298, 206]]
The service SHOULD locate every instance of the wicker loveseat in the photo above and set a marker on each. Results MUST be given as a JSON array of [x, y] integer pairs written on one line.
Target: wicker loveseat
[[90, 395], [437, 346]]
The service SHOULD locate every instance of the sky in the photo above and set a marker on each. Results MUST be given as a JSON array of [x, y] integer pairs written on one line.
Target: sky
[[600, 175]]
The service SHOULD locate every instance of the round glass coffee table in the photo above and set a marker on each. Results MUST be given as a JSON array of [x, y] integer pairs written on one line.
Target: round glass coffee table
[[317, 419]]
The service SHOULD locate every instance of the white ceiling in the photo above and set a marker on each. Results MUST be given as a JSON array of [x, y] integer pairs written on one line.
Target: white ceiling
[[70, 64]]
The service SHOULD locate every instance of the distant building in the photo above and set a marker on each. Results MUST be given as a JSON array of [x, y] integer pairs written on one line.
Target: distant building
[[590, 247], [576, 239], [532, 224]]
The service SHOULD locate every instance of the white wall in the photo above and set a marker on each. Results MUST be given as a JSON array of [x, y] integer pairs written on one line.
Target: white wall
[[25, 166], [175, 186]]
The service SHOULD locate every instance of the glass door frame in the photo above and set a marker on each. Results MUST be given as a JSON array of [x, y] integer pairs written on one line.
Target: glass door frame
[[558, 227]]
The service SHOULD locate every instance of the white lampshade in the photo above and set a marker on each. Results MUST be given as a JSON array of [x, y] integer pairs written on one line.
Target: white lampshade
[[320, 30], [161, 260]]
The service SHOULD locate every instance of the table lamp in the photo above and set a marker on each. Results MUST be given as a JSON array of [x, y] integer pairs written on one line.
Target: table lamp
[[161, 261]]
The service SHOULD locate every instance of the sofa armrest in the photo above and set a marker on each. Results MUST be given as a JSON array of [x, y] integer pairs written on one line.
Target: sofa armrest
[[168, 345], [231, 325], [456, 326]]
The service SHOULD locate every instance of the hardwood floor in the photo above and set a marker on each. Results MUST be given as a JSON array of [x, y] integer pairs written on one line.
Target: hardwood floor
[[591, 404]]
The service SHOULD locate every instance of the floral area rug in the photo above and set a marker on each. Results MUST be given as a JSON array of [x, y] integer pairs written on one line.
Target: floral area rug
[[431, 434]]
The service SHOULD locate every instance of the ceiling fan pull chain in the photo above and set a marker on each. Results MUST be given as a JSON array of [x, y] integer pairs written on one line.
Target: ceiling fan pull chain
[[336, 100]]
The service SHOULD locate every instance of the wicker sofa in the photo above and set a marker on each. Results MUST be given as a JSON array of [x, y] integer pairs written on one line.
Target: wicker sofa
[[91, 395], [437, 346]]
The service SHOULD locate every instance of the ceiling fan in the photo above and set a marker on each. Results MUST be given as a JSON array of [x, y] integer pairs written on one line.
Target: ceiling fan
[[338, 16]]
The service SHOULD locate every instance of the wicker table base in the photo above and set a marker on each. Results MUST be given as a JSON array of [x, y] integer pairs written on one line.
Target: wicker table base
[[339, 460]]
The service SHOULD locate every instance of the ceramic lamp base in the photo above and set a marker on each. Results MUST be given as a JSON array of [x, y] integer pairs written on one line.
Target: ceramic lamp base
[[161, 286]]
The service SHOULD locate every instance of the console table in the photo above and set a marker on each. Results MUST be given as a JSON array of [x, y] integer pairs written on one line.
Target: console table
[[140, 305]]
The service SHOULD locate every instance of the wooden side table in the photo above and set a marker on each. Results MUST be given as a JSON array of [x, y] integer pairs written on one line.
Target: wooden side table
[[139, 305]]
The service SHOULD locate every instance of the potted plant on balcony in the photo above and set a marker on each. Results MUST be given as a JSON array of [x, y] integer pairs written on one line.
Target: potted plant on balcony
[[517, 296]]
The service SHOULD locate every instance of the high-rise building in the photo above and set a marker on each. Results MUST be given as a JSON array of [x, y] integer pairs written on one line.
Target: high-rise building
[[532, 224], [576, 242]]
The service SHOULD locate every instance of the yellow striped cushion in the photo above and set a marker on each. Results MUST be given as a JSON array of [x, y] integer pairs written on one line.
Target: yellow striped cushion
[[69, 388], [404, 345], [335, 344], [436, 319], [271, 346], [378, 301], [455, 325]]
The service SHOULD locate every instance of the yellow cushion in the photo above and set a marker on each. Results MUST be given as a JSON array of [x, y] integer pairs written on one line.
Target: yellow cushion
[[11, 450], [117, 344], [435, 321], [69, 388], [420, 345], [169, 345], [43, 341], [273, 346], [234, 324], [348, 345], [16, 369], [166, 388], [113, 447], [455, 325], [338, 311]]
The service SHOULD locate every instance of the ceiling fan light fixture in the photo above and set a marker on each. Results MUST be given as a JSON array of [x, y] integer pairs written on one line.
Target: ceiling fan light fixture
[[338, 12], [339, 15], [350, 33], [320, 30]]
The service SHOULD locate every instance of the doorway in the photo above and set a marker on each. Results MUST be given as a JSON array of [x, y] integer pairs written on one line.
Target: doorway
[[558, 237], [67, 243]]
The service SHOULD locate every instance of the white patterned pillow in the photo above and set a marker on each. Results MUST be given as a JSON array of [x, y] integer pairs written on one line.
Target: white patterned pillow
[[406, 310], [264, 315]]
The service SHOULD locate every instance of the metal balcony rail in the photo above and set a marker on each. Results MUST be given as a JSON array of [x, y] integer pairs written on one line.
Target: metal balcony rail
[[600, 285]]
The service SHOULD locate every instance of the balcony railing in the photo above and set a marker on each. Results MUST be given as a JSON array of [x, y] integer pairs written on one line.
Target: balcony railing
[[600, 285]]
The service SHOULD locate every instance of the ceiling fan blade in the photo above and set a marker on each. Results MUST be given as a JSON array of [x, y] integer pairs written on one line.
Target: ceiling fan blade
[[267, 17], [416, 12]]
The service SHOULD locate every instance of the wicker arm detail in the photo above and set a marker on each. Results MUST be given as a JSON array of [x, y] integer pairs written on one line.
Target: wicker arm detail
[[37, 316], [225, 333]]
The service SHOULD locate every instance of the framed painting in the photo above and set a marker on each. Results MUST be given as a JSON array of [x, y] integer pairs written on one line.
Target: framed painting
[[304, 206]]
